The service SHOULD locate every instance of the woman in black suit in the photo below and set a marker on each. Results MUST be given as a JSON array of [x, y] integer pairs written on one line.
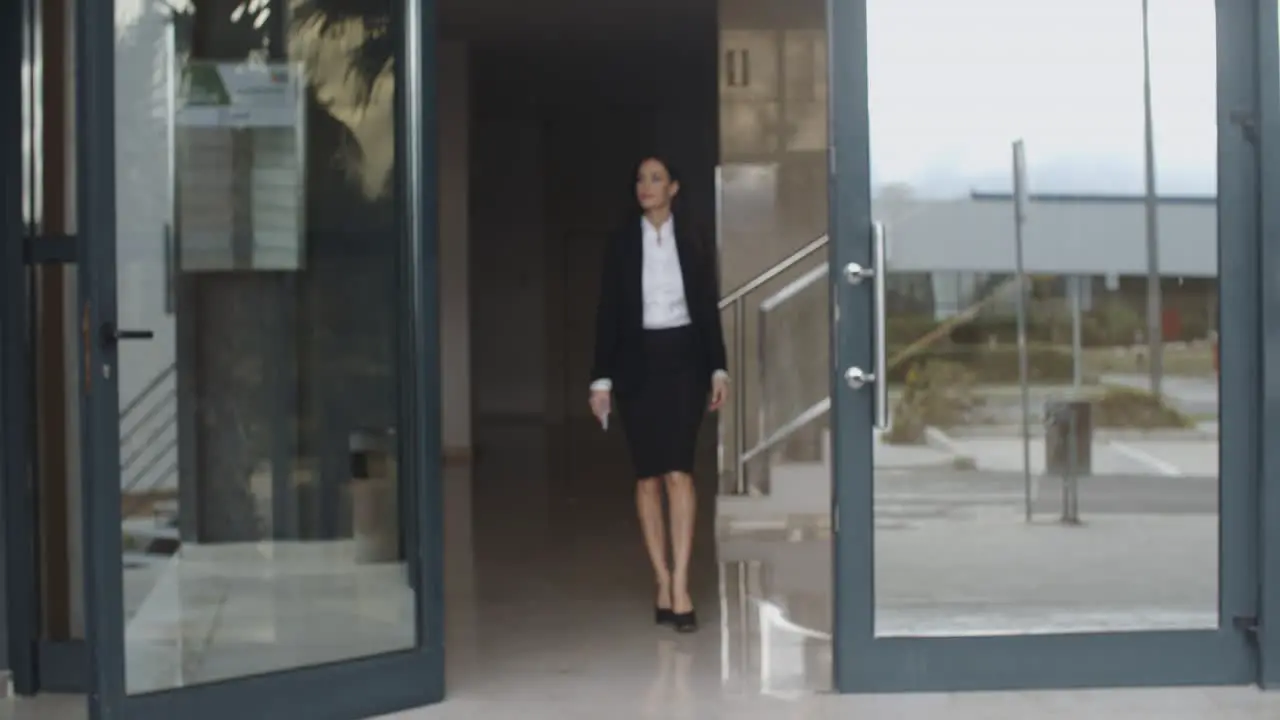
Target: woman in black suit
[[660, 351]]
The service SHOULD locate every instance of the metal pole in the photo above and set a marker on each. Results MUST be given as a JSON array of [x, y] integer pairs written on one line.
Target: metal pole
[[1077, 340], [1071, 478], [1019, 219], [739, 400], [1155, 333], [720, 438], [765, 401], [719, 178]]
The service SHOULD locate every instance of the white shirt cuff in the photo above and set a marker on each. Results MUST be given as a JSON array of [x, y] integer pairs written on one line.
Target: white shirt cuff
[[606, 385]]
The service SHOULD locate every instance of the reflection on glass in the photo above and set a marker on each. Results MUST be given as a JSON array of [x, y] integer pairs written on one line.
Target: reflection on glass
[[1114, 524], [775, 546], [257, 240], [776, 617], [773, 222]]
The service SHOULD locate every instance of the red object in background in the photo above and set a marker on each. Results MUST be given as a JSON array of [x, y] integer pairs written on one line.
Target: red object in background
[[1171, 325]]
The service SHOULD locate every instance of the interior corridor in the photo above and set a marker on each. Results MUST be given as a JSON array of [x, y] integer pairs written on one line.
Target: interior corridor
[[559, 587]]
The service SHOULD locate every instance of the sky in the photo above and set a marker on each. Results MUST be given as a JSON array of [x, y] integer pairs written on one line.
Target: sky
[[954, 82]]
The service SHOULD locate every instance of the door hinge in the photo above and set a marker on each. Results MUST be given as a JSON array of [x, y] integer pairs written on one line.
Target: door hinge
[[1247, 120], [86, 348], [1247, 624]]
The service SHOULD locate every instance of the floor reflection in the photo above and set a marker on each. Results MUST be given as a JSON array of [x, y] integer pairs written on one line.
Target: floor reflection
[[548, 615], [560, 593]]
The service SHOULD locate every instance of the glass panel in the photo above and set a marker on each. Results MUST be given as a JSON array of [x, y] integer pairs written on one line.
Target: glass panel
[[773, 221], [1067, 484], [258, 242], [774, 521]]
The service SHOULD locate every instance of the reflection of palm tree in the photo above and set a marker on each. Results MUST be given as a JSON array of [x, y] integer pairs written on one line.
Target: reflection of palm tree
[[375, 54], [258, 26]]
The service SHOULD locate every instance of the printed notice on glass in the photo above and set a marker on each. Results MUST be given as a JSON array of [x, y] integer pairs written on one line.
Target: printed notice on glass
[[240, 166]]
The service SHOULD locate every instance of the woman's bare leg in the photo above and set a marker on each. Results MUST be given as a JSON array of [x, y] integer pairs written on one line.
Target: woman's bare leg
[[684, 506], [649, 508]]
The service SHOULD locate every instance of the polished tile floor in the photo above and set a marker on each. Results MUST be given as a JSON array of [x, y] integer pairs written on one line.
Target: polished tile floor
[[549, 616], [667, 698]]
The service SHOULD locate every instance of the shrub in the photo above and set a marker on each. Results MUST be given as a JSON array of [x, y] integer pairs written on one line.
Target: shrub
[[993, 365], [1113, 322], [937, 393], [902, 330], [1131, 408]]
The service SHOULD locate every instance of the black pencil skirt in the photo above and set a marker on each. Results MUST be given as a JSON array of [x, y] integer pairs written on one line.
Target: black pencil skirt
[[662, 411]]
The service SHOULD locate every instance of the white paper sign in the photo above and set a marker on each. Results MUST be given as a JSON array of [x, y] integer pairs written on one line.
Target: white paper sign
[[240, 95]]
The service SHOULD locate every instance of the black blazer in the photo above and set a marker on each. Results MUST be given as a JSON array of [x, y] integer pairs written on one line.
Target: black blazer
[[619, 352]]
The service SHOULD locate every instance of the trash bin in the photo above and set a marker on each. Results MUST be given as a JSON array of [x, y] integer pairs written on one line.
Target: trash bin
[[1068, 427], [375, 511]]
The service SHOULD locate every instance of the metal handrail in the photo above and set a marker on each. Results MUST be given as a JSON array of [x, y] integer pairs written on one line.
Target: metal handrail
[[735, 301], [774, 271], [799, 422], [822, 407], [147, 390], [127, 433], [817, 410], [795, 287], [779, 298], [150, 410]]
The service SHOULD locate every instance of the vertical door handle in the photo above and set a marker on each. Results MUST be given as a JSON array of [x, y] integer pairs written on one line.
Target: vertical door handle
[[856, 377], [880, 340]]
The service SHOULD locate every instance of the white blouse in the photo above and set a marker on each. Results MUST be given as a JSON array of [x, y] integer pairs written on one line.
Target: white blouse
[[661, 285]]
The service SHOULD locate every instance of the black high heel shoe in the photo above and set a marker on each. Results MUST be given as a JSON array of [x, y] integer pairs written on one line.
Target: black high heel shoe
[[685, 622], [663, 616]]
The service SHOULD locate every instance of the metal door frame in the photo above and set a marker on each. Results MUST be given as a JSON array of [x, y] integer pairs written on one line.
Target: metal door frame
[[1266, 117], [17, 581], [1227, 655], [352, 689]]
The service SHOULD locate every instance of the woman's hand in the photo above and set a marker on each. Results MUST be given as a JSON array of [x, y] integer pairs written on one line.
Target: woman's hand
[[601, 404], [719, 391]]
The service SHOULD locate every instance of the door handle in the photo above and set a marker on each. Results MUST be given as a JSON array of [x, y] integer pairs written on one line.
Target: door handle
[[856, 377], [109, 334]]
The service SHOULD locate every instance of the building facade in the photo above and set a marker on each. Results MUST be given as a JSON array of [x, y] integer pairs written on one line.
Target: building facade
[[266, 264]]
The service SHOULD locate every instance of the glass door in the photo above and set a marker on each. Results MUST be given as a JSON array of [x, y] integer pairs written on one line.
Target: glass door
[[258, 365], [1043, 392]]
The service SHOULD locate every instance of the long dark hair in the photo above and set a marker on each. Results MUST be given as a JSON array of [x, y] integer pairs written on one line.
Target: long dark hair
[[686, 226]]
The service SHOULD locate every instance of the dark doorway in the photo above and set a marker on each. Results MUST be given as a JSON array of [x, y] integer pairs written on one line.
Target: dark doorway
[[559, 118], [562, 107]]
